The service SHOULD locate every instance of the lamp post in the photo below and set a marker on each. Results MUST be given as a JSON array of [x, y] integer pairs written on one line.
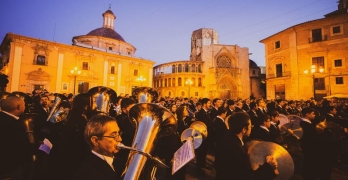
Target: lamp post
[[189, 82], [141, 79], [313, 69], [75, 72]]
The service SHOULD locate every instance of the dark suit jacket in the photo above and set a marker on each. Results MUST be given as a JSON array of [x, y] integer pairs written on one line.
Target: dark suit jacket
[[254, 118], [213, 113], [310, 142], [93, 167], [219, 130], [246, 107], [232, 162], [16, 149], [259, 133], [229, 112]]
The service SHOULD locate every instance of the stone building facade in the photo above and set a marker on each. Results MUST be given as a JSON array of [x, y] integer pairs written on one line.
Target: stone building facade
[[216, 70], [309, 59], [102, 58]]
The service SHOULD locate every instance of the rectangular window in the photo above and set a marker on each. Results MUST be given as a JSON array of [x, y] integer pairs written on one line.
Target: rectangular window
[[85, 66], [196, 93], [41, 60], [339, 80], [336, 30], [338, 63], [316, 35], [135, 72], [110, 48], [253, 72], [277, 44], [279, 69], [318, 62], [112, 70]]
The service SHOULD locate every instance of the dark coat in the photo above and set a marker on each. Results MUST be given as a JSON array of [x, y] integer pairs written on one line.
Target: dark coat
[[232, 162], [259, 133], [16, 149], [93, 167], [254, 118], [219, 130]]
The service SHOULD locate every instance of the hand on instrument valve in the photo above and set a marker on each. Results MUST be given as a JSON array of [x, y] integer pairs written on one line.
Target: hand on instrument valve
[[273, 162]]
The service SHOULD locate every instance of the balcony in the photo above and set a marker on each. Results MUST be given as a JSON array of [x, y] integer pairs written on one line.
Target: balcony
[[317, 39], [278, 75]]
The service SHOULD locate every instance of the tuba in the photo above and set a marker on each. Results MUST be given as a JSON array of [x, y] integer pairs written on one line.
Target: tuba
[[151, 122], [60, 109], [101, 98]]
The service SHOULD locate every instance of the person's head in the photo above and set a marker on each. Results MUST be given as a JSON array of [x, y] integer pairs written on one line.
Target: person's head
[[103, 135], [274, 116], [253, 106], [332, 110], [230, 104], [217, 102], [198, 106], [247, 101], [265, 121], [206, 103], [44, 101], [261, 103], [13, 104], [127, 104], [177, 102], [70, 97], [308, 113], [239, 122], [173, 108], [222, 112], [82, 103], [182, 112], [239, 104]]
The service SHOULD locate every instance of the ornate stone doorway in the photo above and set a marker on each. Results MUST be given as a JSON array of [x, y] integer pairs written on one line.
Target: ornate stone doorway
[[38, 78]]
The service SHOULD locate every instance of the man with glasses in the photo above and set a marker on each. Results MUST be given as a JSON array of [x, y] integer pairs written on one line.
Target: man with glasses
[[102, 135]]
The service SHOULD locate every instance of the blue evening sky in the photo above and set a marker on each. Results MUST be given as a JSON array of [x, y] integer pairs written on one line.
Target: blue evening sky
[[161, 29]]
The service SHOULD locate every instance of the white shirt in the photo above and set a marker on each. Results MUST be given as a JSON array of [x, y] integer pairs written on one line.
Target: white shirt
[[241, 140], [16, 117], [108, 159], [264, 127], [306, 120]]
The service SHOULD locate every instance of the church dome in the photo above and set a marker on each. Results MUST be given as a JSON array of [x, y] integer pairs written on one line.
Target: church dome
[[106, 32], [252, 63]]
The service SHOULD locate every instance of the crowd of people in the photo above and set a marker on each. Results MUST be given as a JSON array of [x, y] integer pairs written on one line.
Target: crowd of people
[[84, 143]]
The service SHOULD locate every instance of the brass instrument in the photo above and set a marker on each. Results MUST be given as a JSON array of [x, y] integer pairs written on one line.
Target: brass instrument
[[58, 112], [101, 98], [151, 122], [198, 132]]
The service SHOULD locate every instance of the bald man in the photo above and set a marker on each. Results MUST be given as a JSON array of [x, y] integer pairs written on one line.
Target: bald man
[[15, 153]]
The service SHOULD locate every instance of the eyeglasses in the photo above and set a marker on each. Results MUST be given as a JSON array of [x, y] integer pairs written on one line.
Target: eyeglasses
[[114, 137]]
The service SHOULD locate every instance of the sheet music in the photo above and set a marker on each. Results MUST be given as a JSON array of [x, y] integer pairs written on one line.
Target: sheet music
[[183, 155]]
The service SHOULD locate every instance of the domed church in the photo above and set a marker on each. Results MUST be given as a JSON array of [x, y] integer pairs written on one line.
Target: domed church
[[102, 57]]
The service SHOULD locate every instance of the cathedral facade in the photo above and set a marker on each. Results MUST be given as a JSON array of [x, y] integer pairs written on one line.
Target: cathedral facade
[[100, 58], [214, 70]]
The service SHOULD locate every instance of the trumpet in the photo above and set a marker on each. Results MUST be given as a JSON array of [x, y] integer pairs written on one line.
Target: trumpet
[[60, 109]]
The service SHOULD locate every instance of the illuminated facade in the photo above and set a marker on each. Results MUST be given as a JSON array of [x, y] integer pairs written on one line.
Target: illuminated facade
[[215, 70], [102, 58], [291, 54]]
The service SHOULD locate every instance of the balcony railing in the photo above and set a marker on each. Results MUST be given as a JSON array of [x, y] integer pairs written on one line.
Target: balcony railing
[[279, 75], [318, 39]]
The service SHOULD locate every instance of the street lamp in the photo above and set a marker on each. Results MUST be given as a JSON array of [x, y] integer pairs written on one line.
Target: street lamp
[[141, 79], [75, 72], [313, 69], [189, 82]]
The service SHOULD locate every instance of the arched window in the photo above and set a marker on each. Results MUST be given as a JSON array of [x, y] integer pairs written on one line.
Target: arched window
[[112, 70], [173, 69], [179, 81], [165, 82], [173, 82], [186, 67], [223, 62], [199, 69], [161, 83], [169, 82], [180, 68], [193, 69]]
